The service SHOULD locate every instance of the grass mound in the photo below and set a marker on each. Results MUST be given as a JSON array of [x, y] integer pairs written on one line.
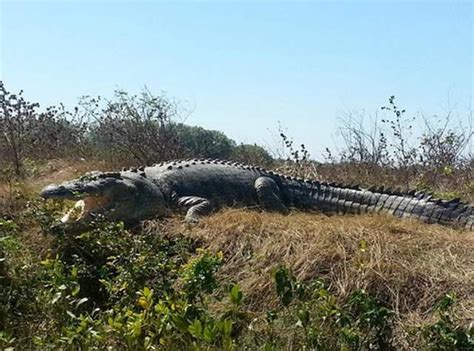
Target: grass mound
[[408, 265], [240, 279]]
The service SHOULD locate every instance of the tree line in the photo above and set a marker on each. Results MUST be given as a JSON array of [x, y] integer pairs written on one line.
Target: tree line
[[127, 129]]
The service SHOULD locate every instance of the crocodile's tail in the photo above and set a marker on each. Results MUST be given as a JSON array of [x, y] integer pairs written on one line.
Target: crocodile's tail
[[418, 205]]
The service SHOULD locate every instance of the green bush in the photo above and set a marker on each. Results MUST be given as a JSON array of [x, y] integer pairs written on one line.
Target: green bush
[[447, 333], [323, 322], [109, 286], [200, 142]]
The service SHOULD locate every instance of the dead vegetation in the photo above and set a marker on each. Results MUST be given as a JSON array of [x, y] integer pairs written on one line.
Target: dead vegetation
[[409, 265]]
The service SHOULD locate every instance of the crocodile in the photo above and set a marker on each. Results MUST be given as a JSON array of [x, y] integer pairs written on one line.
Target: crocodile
[[199, 186]]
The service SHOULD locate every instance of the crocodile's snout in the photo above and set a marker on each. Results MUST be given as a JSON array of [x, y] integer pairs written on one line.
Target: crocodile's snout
[[55, 191]]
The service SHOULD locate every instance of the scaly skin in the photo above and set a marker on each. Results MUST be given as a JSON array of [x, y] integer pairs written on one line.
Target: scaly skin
[[201, 186]]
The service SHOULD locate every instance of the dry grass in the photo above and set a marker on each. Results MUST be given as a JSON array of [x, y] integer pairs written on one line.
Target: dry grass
[[407, 264]]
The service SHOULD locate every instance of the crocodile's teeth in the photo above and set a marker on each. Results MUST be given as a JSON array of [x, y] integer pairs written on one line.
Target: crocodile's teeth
[[75, 213]]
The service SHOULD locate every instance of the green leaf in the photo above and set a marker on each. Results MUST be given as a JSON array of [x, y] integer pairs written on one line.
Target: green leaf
[[363, 245], [225, 326], [208, 334], [303, 316], [76, 290], [196, 328], [74, 272], [284, 285], [268, 347], [236, 294], [179, 322]]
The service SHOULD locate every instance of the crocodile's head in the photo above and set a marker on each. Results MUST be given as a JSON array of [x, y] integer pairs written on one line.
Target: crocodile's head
[[125, 196]]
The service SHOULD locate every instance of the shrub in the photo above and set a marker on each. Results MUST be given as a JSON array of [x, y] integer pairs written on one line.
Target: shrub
[[252, 154], [448, 333], [323, 323], [132, 126], [26, 133], [200, 142]]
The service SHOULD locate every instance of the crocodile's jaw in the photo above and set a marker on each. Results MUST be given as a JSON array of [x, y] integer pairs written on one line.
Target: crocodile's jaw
[[78, 212], [85, 208]]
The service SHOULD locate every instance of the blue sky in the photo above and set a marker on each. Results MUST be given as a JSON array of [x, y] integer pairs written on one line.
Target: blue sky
[[245, 66]]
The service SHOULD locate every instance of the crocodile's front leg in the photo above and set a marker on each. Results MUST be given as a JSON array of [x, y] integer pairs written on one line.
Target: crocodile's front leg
[[269, 195], [196, 207]]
